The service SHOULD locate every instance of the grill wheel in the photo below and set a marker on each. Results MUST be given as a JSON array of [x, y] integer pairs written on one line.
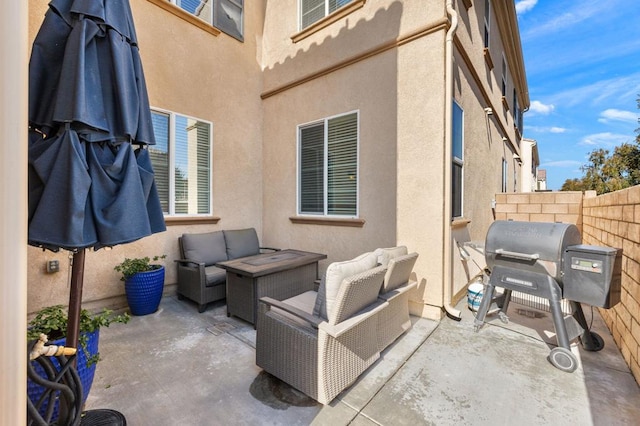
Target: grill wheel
[[563, 359]]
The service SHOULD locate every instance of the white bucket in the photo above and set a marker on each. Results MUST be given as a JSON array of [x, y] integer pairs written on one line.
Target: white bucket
[[474, 295]]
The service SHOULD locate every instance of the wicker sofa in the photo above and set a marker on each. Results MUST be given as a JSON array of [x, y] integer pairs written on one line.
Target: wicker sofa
[[321, 342], [198, 277]]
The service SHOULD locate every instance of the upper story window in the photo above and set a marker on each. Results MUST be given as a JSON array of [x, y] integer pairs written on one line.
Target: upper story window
[[314, 10], [181, 161], [487, 20], [517, 114], [457, 158], [328, 167], [226, 15], [504, 175], [503, 82]]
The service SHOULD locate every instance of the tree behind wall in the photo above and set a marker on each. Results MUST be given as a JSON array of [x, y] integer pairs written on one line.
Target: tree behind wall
[[607, 173]]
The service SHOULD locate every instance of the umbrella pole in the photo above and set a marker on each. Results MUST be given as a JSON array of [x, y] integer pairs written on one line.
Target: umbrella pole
[[75, 298]]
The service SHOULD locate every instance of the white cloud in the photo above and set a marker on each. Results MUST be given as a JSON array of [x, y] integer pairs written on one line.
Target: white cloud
[[561, 163], [552, 129], [566, 16], [605, 140], [613, 114], [524, 6], [599, 92], [540, 108]]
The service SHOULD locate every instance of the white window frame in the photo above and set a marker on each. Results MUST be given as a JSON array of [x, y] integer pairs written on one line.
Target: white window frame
[[172, 163], [459, 162], [212, 19], [325, 123], [327, 12]]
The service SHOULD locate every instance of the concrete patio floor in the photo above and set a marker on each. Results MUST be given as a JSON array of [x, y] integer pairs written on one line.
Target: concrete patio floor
[[178, 367]]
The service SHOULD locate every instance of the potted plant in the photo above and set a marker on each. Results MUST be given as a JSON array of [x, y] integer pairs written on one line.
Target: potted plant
[[52, 321], [143, 283]]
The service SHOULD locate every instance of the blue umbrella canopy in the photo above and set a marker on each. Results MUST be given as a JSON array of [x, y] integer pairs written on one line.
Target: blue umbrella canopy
[[91, 181], [90, 176]]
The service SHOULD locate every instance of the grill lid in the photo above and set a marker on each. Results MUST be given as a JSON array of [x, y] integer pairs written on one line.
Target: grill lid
[[535, 246]]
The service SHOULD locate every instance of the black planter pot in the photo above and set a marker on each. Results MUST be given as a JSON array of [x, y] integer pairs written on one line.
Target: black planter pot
[[144, 291]]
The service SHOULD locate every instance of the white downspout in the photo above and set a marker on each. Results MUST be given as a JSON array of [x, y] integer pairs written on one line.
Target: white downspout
[[447, 269]]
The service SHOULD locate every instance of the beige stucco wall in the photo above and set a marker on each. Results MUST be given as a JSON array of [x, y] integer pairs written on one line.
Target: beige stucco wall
[[385, 60], [190, 72], [398, 93]]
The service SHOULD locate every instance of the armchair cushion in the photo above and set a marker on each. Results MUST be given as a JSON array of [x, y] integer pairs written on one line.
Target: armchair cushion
[[336, 273], [241, 243], [214, 275], [304, 302], [384, 255], [356, 293], [398, 271], [207, 248]]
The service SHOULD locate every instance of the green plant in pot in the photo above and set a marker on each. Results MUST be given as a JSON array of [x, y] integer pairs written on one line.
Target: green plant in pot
[[52, 321], [143, 283]]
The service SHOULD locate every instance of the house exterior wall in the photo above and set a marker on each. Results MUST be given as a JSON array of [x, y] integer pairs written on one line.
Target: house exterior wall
[[386, 60], [530, 163], [191, 72], [488, 138]]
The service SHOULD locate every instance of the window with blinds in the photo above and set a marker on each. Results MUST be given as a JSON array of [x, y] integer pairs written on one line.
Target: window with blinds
[[314, 10], [487, 21], [457, 158], [181, 162], [226, 15], [328, 167]]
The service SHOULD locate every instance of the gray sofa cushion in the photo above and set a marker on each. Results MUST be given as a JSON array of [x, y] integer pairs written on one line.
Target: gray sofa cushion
[[208, 247], [215, 276], [241, 243]]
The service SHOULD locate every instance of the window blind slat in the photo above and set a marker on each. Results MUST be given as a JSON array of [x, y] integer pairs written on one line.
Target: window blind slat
[[312, 169], [342, 165]]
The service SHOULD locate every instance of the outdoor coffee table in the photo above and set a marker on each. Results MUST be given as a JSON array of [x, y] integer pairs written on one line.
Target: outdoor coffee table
[[279, 275]]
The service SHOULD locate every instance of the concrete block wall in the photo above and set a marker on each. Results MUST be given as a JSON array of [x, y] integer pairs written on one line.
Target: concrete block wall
[[613, 220], [563, 207]]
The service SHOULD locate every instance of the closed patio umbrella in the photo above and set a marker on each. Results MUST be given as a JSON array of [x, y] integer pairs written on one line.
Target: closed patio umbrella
[[90, 176]]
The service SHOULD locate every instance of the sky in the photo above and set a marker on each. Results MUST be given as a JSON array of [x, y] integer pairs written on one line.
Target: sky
[[582, 61]]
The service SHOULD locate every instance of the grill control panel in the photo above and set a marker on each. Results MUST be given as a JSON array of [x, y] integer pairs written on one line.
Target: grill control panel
[[587, 265]]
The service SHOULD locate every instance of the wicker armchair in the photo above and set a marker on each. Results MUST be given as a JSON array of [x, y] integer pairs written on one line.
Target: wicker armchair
[[322, 356]]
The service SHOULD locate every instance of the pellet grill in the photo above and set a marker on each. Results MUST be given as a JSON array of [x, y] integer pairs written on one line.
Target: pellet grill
[[548, 260]]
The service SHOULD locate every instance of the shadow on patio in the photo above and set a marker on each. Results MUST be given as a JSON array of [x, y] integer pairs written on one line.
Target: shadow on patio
[[178, 367]]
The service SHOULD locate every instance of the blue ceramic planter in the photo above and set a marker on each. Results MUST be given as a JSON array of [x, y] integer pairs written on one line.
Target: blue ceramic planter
[[144, 291], [86, 372]]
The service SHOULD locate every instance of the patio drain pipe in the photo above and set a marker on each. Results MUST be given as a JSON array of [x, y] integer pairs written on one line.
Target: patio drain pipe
[[447, 269]]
